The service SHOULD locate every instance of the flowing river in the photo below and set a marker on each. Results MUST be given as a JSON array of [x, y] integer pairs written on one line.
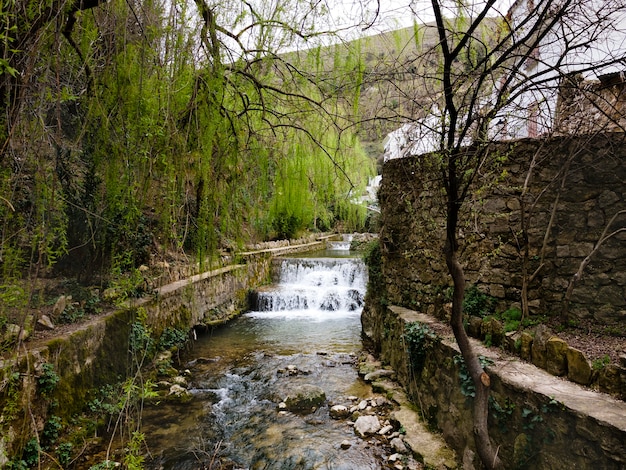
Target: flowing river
[[304, 330]]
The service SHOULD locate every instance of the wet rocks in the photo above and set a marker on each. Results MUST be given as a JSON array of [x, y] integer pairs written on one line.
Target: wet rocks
[[305, 398], [366, 425], [339, 412]]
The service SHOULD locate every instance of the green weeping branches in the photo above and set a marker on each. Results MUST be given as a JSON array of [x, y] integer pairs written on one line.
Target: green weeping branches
[[165, 126]]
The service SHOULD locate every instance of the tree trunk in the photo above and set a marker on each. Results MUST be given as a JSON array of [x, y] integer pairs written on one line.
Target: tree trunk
[[488, 455]]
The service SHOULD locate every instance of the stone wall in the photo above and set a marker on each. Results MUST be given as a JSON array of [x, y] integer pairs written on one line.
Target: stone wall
[[536, 420], [574, 194]]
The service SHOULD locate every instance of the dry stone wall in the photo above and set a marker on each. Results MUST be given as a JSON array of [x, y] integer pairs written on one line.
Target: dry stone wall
[[537, 214]]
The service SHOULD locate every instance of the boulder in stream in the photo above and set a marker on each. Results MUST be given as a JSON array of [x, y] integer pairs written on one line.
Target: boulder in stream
[[305, 398]]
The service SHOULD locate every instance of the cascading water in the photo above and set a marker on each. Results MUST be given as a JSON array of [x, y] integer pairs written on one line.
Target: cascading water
[[308, 323], [317, 288]]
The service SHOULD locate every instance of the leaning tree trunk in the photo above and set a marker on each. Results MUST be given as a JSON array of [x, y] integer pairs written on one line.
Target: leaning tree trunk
[[488, 455]]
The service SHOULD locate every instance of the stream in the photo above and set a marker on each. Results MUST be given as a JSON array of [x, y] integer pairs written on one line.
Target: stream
[[304, 330]]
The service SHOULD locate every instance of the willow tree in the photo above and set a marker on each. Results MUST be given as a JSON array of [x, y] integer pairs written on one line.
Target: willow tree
[[490, 71], [157, 123]]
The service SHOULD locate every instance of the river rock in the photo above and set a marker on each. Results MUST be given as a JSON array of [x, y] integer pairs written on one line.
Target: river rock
[[180, 380], [366, 425], [398, 445], [345, 444], [362, 405], [385, 430], [179, 393], [377, 374], [339, 412], [305, 398]]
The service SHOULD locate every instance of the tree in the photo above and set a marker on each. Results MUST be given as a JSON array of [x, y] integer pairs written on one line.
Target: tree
[[111, 106], [491, 74]]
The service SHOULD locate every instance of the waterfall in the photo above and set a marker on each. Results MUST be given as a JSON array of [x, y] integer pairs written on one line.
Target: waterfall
[[343, 245], [317, 288]]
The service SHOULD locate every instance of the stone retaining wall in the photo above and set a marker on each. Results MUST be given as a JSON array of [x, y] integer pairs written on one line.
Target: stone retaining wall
[[575, 188], [536, 420], [96, 353]]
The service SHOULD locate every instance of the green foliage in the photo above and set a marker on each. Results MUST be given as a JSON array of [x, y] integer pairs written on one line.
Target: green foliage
[[51, 430], [47, 379], [419, 339], [172, 338], [376, 289], [477, 303], [30, 454], [502, 413], [601, 363], [141, 341], [106, 401], [512, 318], [64, 453], [133, 460]]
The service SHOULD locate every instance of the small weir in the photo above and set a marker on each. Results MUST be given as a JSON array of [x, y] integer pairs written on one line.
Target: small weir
[[305, 330]]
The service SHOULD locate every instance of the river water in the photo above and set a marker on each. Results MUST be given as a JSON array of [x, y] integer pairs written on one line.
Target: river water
[[305, 330]]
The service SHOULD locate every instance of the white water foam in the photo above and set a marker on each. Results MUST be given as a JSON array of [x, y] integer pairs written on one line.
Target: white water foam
[[315, 288]]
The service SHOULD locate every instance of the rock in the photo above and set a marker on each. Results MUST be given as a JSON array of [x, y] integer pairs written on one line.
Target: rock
[[366, 425], [398, 445], [521, 447], [164, 356], [474, 325], [385, 430], [377, 374], [556, 356], [179, 393], [609, 379], [182, 381], [345, 444], [305, 398], [60, 305], [44, 323], [282, 406], [538, 350], [578, 367], [526, 345], [510, 340], [362, 405], [339, 412], [493, 329]]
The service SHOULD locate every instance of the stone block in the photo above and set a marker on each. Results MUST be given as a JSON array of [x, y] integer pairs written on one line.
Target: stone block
[[474, 326], [609, 380], [538, 350], [578, 367], [526, 346], [556, 356]]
